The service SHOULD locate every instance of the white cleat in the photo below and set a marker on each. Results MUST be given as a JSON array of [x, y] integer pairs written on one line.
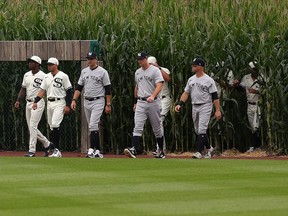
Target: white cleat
[[90, 153], [97, 154], [209, 153], [251, 149], [197, 155], [56, 153]]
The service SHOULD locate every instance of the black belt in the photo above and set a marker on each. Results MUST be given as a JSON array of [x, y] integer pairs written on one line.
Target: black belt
[[145, 98], [53, 99], [251, 103], [30, 100], [92, 99], [164, 96]]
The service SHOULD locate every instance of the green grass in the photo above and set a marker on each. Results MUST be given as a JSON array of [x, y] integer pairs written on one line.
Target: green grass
[[78, 186]]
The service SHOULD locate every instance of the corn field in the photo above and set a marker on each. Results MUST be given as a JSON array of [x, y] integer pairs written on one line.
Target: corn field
[[173, 31]]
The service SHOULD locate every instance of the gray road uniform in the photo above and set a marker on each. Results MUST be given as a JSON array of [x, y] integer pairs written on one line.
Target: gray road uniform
[[146, 82], [31, 82], [94, 94], [200, 90]]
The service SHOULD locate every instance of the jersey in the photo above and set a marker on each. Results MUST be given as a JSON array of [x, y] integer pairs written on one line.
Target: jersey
[[200, 89], [56, 86], [146, 80], [32, 82], [247, 82], [165, 88], [94, 81]]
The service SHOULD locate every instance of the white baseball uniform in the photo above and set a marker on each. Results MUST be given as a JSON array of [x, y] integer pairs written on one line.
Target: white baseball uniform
[[253, 109], [56, 87], [31, 82]]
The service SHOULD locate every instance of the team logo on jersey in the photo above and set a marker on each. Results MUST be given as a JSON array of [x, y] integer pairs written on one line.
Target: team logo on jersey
[[145, 78], [57, 83], [37, 82]]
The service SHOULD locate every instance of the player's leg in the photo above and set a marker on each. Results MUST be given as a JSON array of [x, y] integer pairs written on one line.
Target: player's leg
[[140, 118], [154, 115], [204, 118], [253, 118], [57, 115], [32, 148], [96, 110], [165, 103]]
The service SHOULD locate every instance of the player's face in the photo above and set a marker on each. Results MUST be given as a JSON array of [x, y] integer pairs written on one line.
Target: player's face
[[91, 62], [51, 67], [32, 65], [143, 62], [194, 68]]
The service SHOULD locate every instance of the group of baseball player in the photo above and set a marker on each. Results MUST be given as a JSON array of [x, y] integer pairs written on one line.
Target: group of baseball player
[[152, 100]]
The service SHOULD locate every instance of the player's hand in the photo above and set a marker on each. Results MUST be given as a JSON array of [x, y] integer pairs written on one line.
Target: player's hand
[[218, 115], [66, 110], [17, 104], [150, 99], [252, 91], [34, 106], [108, 109], [134, 107], [235, 82], [177, 108], [73, 105]]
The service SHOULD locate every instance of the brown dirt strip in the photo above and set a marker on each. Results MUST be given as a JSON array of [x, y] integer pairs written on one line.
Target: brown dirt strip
[[168, 156]]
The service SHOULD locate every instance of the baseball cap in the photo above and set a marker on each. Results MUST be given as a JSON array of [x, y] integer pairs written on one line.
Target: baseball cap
[[91, 55], [198, 61], [36, 59], [141, 55], [53, 61], [152, 60], [253, 64]]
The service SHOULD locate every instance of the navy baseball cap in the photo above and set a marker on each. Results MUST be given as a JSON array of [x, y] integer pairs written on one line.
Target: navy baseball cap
[[142, 55], [91, 55], [198, 61]]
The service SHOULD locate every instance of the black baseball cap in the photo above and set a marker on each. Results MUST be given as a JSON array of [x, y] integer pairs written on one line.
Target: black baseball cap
[[91, 55], [142, 55], [198, 61]]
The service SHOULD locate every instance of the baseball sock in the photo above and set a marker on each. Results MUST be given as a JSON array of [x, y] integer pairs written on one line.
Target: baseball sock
[[136, 143], [94, 140], [160, 143], [55, 137], [201, 140]]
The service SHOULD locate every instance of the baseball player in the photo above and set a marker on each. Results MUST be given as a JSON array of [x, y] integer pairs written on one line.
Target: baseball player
[[58, 89], [30, 87], [147, 104], [97, 87], [165, 95], [203, 92], [251, 84]]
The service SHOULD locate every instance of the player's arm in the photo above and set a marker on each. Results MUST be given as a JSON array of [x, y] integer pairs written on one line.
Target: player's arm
[[40, 95], [76, 95], [20, 97], [135, 97], [216, 103], [184, 97], [108, 96], [165, 75], [156, 91]]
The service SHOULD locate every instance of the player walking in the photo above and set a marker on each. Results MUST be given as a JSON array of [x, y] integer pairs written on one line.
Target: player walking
[[30, 87], [58, 89], [149, 83], [97, 86], [165, 95], [203, 93]]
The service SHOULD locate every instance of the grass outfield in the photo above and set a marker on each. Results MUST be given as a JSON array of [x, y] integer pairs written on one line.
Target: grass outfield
[[80, 186]]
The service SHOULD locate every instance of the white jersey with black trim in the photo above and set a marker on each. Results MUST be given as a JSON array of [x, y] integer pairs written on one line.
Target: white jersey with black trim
[[32, 82], [94, 81], [200, 89], [56, 86], [165, 88], [248, 82]]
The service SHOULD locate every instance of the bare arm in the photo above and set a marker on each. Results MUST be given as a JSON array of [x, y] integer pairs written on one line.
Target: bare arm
[[166, 76], [217, 109], [156, 92], [21, 95], [184, 97]]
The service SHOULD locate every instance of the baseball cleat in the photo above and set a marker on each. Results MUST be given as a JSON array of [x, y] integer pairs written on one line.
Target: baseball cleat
[[47, 150], [130, 152], [56, 153], [251, 149], [160, 155], [90, 153], [197, 155], [29, 154], [97, 154], [208, 155]]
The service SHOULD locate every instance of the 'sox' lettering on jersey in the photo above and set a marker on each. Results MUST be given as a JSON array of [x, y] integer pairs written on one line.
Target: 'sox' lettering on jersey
[[37, 82], [57, 83]]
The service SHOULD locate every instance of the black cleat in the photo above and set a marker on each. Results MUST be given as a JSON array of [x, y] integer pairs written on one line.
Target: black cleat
[[130, 152], [160, 154], [47, 150]]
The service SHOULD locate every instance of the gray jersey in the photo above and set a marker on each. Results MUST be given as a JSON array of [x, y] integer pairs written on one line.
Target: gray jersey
[[146, 80], [200, 89], [94, 81]]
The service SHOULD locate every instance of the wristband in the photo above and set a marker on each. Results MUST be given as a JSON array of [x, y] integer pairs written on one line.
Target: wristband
[[135, 100], [37, 99], [181, 103]]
